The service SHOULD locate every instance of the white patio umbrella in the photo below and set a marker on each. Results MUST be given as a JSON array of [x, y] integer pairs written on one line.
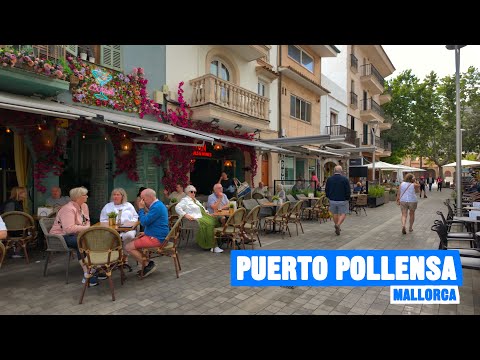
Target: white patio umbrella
[[465, 163]]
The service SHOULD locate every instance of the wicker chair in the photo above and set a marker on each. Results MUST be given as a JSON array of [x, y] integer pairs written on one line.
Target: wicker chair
[[2, 253], [279, 218], [21, 230], [101, 249], [55, 243], [251, 224], [295, 215], [232, 228], [168, 247]]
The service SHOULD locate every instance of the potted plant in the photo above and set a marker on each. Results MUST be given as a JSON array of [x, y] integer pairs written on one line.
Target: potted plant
[[392, 193], [173, 200], [376, 195], [83, 53], [90, 54], [231, 208], [112, 218], [275, 199]]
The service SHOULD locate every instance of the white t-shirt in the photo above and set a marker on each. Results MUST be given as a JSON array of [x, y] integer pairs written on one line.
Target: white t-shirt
[[128, 211], [2, 224], [407, 192]]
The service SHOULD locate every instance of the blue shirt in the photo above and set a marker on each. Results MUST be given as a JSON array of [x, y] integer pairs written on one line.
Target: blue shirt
[[337, 188], [212, 199], [155, 221]]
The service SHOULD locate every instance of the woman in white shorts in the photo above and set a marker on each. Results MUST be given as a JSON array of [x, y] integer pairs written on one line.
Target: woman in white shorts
[[407, 200]]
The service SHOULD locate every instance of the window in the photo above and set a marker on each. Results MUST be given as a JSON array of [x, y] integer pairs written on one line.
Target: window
[[365, 134], [333, 118], [261, 88], [300, 109], [352, 122], [220, 70], [111, 56], [301, 57]]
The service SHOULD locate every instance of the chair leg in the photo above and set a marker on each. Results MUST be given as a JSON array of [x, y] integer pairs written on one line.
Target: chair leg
[[110, 282], [24, 246], [68, 266], [258, 237], [178, 260], [174, 257], [46, 264], [83, 290], [301, 227]]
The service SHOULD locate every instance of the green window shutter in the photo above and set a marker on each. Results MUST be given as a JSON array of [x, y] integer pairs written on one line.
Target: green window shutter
[[72, 49], [148, 171], [111, 56]]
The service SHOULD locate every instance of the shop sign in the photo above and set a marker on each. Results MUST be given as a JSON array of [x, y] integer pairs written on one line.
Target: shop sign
[[202, 151]]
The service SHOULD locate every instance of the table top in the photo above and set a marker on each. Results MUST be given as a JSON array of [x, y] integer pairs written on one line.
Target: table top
[[221, 213], [270, 204], [126, 226]]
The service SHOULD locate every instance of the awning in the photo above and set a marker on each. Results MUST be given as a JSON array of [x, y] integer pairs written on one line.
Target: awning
[[43, 107], [135, 123], [234, 140], [305, 140], [323, 152]]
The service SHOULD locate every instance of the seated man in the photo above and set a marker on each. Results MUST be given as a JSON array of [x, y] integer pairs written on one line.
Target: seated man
[[178, 194], [155, 223], [56, 200], [218, 200], [263, 190]]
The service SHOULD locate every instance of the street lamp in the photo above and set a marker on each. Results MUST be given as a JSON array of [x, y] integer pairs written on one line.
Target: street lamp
[[458, 174]]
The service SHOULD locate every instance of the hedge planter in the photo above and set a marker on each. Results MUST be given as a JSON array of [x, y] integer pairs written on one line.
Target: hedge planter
[[375, 201]]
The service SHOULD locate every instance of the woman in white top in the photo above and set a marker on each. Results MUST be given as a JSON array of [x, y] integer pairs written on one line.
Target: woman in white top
[[120, 202], [407, 200], [192, 210]]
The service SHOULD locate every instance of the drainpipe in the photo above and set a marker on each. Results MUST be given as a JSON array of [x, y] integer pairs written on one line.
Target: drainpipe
[[279, 59]]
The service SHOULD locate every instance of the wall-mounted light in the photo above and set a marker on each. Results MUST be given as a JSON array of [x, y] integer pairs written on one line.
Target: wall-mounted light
[[217, 147], [39, 127], [238, 127], [8, 130], [257, 131], [214, 121], [83, 136], [126, 145], [228, 163]]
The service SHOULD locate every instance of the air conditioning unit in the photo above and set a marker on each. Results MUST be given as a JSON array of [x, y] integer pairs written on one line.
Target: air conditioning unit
[[283, 132]]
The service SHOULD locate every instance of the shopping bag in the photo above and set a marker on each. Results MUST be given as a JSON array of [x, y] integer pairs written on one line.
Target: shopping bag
[[242, 188]]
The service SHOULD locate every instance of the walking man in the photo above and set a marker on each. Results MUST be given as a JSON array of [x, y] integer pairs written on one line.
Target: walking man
[[337, 190], [430, 181]]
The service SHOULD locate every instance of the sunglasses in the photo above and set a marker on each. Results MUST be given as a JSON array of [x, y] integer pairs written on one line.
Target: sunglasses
[[193, 192]]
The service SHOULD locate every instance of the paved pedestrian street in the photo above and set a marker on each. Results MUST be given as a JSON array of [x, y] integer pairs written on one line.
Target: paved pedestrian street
[[204, 283]]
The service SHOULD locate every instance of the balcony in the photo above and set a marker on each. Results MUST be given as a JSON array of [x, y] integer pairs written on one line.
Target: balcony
[[353, 100], [371, 79], [23, 79], [214, 98], [353, 63], [386, 96], [350, 135], [324, 50], [250, 52], [371, 110], [384, 148]]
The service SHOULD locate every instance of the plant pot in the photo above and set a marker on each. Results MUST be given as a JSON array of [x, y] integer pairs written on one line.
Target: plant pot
[[83, 56], [376, 201], [91, 59], [112, 221]]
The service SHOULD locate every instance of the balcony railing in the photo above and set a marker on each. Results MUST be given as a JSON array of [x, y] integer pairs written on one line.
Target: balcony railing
[[350, 135], [209, 89], [353, 62], [370, 104], [369, 69], [353, 99]]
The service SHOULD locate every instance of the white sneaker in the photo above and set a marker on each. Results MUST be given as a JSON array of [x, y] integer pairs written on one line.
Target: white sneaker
[[216, 250]]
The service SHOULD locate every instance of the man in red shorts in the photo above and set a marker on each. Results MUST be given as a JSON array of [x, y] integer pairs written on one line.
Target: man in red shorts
[[155, 222]]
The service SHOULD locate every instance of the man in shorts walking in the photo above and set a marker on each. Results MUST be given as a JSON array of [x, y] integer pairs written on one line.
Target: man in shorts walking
[[338, 192]]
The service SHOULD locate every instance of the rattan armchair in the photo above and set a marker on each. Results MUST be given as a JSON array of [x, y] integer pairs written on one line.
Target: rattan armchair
[[251, 225], [168, 247], [232, 228], [20, 230], [101, 249], [2, 253]]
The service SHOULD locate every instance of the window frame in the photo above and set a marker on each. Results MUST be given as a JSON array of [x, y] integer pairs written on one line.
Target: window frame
[[308, 114], [301, 58]]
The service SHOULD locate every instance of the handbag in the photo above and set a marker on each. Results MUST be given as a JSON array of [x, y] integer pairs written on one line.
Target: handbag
[[242, 188]]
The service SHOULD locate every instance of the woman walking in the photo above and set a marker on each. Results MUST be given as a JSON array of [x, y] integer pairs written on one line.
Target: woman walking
[[407, 200]]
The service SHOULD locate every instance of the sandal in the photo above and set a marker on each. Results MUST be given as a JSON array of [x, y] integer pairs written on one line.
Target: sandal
[[403, 230], [410, 229]]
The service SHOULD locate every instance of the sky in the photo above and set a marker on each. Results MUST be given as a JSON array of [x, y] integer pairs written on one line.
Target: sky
[[424, 58]]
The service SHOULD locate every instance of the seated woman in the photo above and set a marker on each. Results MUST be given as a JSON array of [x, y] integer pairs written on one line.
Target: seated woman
[[281, 193], [17, 196], [119, 204], [71, 219], [358, 187], [192, 210]]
